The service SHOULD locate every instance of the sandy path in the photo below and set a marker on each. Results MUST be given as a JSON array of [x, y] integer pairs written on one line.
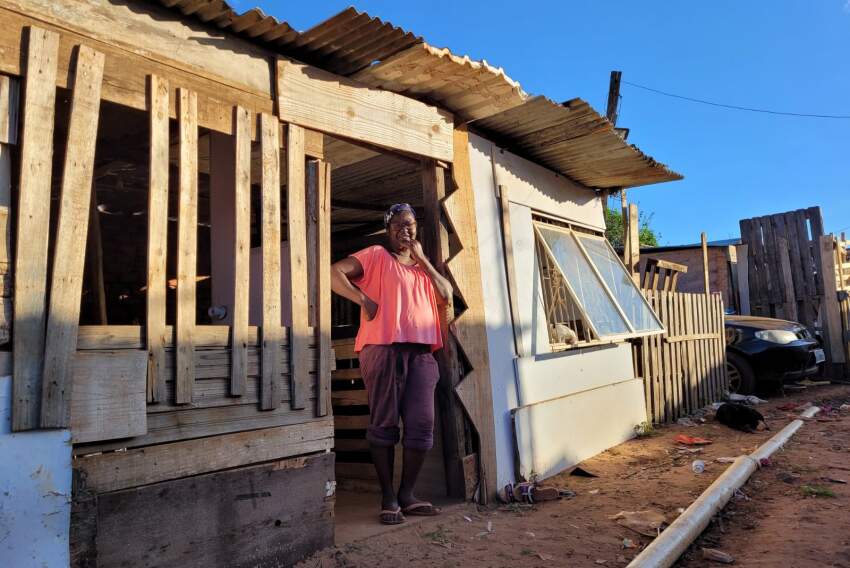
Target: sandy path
[[777, 527]]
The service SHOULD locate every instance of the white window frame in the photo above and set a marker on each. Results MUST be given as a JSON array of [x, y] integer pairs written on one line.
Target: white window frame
[[610, 338]]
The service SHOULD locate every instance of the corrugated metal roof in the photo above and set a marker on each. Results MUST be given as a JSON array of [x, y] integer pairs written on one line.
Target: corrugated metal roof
[[342, 44], [574, 139], [571, 139], [470, 89]]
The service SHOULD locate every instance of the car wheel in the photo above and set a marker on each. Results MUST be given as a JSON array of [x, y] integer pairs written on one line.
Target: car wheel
[[740, 374]]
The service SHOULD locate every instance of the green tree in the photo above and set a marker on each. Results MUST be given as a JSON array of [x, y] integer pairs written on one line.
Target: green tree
[[614, 228]]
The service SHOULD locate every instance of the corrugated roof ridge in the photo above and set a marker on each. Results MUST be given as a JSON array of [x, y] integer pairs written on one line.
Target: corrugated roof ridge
[[465, 60]]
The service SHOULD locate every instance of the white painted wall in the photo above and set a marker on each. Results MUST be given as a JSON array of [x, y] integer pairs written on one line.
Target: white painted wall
[[563, 432], [35, 492], [543, 390]]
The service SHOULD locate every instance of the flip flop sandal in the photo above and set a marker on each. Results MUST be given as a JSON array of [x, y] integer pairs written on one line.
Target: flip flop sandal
[[421, 509], [391, 517]]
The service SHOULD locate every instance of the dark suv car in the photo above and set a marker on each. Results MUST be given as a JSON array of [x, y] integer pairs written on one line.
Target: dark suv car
[[765, 351]]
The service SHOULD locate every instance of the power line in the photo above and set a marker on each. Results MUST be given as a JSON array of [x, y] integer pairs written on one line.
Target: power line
[[734, 107]]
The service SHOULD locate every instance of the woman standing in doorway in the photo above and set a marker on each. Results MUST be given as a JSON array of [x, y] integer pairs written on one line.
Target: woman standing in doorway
[[398, 291]]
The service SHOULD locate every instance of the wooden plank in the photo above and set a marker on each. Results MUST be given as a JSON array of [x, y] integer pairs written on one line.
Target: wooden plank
[[136, 467], [108, 399], [743, 254], [33, 226], [657, 393], [720, 346], [351, 445], [157, 237], [675, 363], [9, 100], [271, 236], [813, 214], [133, 336], [350, 398], [831, 315], [688, 321], [274, 514], [241, 251], [669, 324], [69, 255], [189, 423], [789, 305], [311, 204], [320, 100], [699, 347], [666, 352], [296, 212], [323, 285], [691, 337], [346, 375], [795, 255], [187, 244], [705, 267], [634, 243], [510, 268], [806, 250], [434, 235], [357, 422], [773, 285]]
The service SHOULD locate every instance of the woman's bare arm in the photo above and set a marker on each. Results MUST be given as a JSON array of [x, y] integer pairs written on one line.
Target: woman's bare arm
[[342, 273]]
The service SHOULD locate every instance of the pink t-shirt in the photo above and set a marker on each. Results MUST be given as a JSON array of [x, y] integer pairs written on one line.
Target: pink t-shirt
[[407, 304]]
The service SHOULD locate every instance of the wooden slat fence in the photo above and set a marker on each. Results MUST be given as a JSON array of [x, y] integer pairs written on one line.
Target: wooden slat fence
[[783, 260], [685, 368], [46, 337]]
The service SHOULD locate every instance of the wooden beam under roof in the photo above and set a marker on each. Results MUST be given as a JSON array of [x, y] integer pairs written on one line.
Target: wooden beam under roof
[[313, 98]]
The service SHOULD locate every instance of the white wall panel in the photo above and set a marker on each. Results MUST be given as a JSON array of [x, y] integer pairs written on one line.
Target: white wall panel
[[557, 434]]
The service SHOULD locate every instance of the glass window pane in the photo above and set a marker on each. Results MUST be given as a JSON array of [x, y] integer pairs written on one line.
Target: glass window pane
[[621, 285], [589, 291]]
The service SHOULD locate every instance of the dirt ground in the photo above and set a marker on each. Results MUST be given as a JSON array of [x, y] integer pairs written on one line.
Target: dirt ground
[[790, 514]]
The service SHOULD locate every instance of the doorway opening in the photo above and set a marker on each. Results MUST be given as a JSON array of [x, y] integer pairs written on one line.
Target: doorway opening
[[364, 184]]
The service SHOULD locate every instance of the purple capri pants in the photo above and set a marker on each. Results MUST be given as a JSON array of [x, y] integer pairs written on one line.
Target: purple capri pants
[[400, 380]]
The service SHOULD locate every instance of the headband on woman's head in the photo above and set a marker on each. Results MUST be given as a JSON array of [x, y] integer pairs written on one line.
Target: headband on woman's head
[[395, 210]]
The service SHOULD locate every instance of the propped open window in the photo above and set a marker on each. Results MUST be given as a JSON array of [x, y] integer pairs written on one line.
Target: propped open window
[[587, 292]]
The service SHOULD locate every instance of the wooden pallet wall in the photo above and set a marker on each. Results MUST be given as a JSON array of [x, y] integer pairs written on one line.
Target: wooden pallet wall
[[685, 368], [783, 264]]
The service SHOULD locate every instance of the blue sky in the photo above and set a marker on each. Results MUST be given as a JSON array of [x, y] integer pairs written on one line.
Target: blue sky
[[787, 55]]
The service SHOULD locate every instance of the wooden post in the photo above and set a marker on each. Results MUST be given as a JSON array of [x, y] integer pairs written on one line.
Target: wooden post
[[743, 279], [830, 312], [187, 245], [613, 96], [157, 236], [510, 271], [436, 241], [789, 306], [272, 330], [474, 391], [33, 213], [296, 213], [634, 243], [241, 252], [69, 256], [705, 269], [322, 213]]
